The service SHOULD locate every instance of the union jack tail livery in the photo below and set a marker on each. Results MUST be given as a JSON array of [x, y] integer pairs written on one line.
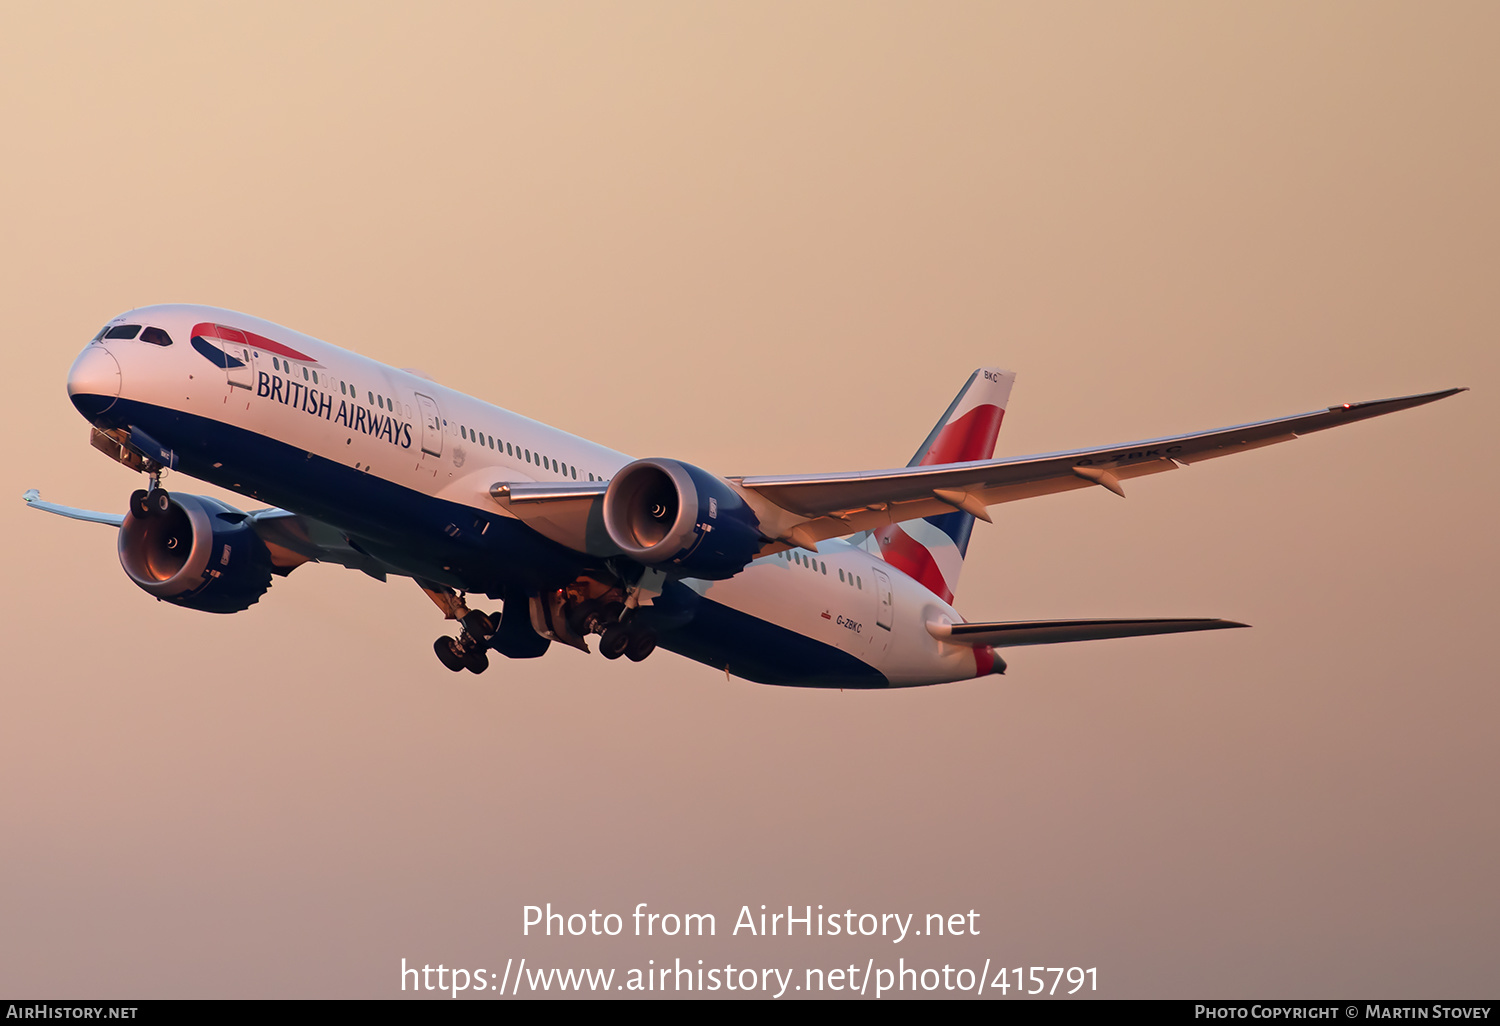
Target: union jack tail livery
[[932, 550]]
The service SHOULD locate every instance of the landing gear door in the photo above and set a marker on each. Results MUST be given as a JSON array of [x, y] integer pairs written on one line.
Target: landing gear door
[[885, 614], [432, 425]]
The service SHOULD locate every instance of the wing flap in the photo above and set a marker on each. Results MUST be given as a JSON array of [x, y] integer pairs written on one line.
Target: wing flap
[[1012, 634]]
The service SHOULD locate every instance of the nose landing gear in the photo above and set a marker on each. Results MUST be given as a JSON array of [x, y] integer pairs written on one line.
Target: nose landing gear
[[150, 504], [153, 502]]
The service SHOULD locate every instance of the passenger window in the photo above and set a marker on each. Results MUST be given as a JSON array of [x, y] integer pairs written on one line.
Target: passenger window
[[315, 377], [305, 374], [156, 336], [123, 331], [508, 451], [370, 397]]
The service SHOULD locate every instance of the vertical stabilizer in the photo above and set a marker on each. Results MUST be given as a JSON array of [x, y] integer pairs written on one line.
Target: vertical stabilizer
[[932, 550]]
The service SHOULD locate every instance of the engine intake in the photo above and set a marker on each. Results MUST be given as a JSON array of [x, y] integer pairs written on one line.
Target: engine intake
[[200, 553], [661, 511]]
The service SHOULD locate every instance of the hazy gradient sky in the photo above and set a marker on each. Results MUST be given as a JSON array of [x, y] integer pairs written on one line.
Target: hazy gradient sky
[[776, 238]]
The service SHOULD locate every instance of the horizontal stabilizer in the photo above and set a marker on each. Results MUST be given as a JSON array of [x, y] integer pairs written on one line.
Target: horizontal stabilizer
[[1051, 632]]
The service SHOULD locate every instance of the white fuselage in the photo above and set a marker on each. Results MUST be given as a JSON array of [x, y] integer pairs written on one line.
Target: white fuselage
[[404, 429]]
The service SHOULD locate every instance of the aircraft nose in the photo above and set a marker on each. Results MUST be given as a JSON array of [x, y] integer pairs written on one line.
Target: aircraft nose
[[94, 381]]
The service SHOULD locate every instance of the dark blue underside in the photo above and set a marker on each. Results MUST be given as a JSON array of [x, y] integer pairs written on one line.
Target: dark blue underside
[[466, 548]]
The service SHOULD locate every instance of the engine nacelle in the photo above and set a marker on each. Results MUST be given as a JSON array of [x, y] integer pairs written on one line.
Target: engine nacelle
[[676, 517], [200, 553]]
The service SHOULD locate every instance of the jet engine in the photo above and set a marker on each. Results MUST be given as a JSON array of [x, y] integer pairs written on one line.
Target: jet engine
[[680, 519], [198, 553]]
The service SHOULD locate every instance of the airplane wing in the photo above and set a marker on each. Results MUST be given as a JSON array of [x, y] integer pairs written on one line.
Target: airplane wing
[[34, 500], [1048, 632], [291, 538], [833, 505], [803, 509]]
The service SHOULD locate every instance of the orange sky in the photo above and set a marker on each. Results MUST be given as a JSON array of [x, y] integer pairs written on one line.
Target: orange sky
[[776, 238]]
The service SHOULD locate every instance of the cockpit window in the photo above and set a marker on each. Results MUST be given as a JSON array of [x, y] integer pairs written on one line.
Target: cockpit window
[[156, 336], [123, 331], [101, 334]]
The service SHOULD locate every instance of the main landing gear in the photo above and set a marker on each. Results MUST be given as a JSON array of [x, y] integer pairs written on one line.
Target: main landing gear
[[532, 622], [468, 650], [634, 644], [618, 635]]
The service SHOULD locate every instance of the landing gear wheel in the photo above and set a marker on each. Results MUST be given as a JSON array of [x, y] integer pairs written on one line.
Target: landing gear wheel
[[613, 643], [480, 624], [448, 653], [640, 645], [139, 506], [159, 501], [476, 660], [583, 617]]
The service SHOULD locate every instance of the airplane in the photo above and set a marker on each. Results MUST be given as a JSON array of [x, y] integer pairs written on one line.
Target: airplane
[[839, 580]]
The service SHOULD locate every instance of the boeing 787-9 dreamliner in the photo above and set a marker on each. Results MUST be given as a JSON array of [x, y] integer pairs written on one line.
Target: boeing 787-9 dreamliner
[[814, 580]]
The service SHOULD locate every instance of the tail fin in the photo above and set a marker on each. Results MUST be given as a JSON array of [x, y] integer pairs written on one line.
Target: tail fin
[[932, 550]]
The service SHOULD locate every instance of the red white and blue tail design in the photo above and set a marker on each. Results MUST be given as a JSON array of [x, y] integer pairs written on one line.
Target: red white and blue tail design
[[932, 550]]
